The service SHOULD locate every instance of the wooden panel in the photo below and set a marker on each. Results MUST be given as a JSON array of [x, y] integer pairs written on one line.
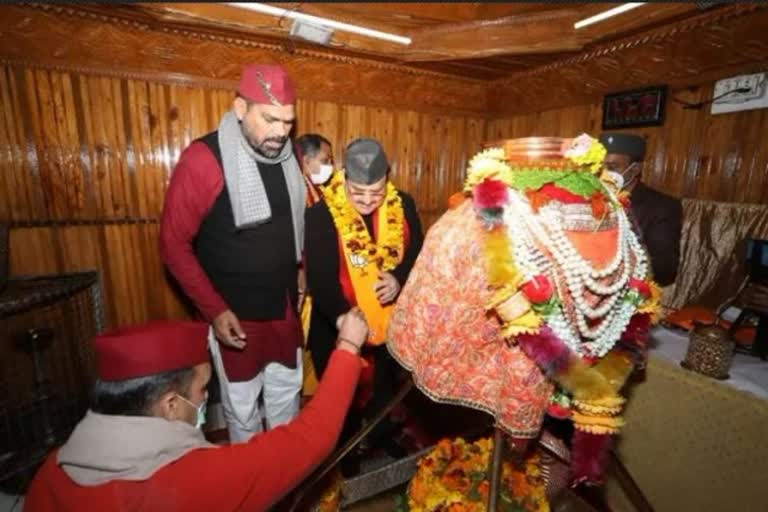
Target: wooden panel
[[134, 285], [85, 160], [151, 50], [544, 32], [694, 154], [725, 41]]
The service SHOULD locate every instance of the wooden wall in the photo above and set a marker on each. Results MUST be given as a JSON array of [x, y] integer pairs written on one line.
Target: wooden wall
[[86, 152], [694, 154], [96, 106]]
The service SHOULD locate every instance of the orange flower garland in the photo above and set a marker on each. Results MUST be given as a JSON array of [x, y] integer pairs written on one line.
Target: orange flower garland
[[453, 478], [384, 252]]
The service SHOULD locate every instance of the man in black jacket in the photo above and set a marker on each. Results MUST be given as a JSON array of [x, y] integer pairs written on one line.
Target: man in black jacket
[[362, 240], [659, 215]]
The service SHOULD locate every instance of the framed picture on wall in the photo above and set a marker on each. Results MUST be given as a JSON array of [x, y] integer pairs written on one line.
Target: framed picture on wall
[[636, 108]]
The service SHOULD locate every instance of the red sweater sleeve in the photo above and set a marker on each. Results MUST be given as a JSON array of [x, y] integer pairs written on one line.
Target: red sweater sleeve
[[289, 453], [255, 475], [246, 477], [196, 182]]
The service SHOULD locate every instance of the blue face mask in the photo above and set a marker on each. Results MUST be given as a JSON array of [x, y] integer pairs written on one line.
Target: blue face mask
[[200, 411]]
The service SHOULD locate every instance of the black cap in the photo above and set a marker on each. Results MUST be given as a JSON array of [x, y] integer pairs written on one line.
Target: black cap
[[365, 162], [624, 144]]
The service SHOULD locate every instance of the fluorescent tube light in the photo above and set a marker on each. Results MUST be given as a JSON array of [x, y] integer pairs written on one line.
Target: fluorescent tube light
[[626, 6], [337, 25]]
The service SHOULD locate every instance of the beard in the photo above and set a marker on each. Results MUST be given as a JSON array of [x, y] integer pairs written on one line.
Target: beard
[[270, 147]]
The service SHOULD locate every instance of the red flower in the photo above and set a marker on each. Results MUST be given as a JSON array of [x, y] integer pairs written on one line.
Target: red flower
[[539, 289], [491, 194], [625, 201], [558, 411], [641, 286], [599, 205], [537, 199]]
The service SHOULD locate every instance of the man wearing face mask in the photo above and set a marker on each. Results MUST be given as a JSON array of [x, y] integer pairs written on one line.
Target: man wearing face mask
[[140, 446], [316, 159], [316, 163], [659, 216], [233, 193], [362, 241]]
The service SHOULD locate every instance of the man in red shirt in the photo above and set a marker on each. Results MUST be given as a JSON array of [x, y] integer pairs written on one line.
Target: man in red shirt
[[139, 448], [232, 234]]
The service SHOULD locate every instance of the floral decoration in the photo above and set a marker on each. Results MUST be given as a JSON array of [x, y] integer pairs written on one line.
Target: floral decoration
[[453, 477], [386, 251], [539, 290], [585, 151], [531, 307]]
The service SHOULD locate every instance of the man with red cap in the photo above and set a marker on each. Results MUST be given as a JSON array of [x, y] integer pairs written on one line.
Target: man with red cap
[[140, 447], [232, 234]]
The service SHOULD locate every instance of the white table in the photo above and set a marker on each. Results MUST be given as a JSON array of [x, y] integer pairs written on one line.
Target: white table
[[747, 373]]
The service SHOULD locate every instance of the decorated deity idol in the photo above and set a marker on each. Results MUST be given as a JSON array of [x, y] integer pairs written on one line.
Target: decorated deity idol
[[532, 296]]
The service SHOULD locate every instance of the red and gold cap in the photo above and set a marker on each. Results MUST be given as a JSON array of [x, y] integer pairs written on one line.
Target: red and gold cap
[[267, 84]]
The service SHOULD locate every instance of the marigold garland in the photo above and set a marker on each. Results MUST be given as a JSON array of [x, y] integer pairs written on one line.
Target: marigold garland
[[350, 225], [453, 478]]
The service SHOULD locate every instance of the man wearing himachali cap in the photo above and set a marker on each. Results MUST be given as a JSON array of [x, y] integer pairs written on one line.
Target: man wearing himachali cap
[[362, 241], [140, 447], [232, 234]]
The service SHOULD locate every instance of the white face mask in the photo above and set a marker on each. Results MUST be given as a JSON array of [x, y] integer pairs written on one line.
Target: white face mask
[[325, 173], [630, 174], [200, 411]]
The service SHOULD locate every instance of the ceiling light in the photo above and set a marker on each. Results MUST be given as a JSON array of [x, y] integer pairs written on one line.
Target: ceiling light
[[337, 25], [312, 32], [626, 6]]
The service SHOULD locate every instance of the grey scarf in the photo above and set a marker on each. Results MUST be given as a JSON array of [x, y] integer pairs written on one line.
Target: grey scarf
[[250, 205], [103, 447]]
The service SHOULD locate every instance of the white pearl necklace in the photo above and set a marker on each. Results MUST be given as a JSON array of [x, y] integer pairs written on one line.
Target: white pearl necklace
[[614, 311]]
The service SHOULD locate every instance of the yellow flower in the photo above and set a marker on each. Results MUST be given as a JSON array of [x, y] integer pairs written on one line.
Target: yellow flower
[[490, 163], [652, 305], [586, 151], [428, 492], [529, 323], [387, 251]]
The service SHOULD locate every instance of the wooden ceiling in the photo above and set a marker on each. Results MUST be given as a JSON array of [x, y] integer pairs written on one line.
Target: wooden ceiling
[[478, 40]]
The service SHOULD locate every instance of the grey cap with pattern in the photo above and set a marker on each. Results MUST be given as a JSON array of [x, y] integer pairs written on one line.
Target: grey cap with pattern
[[365, 162]]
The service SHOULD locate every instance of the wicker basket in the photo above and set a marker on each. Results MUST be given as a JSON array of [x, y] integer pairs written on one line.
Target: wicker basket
[[710, 351]]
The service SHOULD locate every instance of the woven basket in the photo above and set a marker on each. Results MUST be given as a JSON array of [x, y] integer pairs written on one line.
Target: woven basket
[[710, 351], [3, 255]]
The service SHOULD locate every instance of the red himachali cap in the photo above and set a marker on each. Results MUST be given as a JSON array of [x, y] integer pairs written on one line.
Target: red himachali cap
[[149, 349], [268, 84]]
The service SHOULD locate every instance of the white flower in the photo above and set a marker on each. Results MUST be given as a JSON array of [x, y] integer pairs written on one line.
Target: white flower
[[579, 146]]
